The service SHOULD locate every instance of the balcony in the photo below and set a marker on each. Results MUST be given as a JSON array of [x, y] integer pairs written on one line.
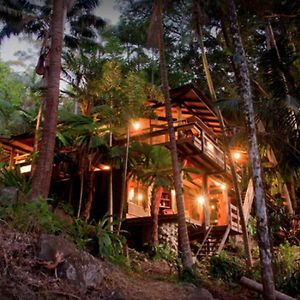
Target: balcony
[[194, 139]]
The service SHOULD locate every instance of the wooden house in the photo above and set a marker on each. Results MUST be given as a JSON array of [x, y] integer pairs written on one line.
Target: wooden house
[[209, 199], [210, 204]]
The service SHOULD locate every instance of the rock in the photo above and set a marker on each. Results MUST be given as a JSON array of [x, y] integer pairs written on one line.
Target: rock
[[78, 267], [9, 195]]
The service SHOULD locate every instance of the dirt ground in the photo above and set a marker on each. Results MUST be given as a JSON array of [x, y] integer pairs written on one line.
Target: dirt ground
[[23, 277]]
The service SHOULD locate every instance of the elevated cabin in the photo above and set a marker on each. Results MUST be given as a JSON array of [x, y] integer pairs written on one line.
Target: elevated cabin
[[210, 205], [209, 199]]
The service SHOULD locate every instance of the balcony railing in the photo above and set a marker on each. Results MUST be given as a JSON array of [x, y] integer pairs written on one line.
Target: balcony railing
[[235, 220], [192, 130]]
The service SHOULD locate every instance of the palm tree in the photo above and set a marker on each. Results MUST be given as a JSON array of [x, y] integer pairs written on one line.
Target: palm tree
[[261, 213], [198, 16], [23, 16], [156, 39]]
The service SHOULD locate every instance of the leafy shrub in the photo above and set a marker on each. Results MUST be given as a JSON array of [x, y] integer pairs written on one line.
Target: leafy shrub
[[287, 269], [14, 178], [81, 233], [165, 252], [32, 217], [226, 268], [111, 245]]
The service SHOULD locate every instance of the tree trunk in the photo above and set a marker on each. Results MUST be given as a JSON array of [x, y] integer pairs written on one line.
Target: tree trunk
[[110, 191], [124, 180], [155, 194], [227, 148], [184, 242], [42, 177], [261, 212], [90, 196]]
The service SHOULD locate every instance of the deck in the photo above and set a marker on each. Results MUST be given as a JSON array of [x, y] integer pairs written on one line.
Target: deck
[[194, 139]]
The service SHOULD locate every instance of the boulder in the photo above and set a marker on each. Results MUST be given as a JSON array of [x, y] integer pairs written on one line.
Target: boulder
[[78, 267]]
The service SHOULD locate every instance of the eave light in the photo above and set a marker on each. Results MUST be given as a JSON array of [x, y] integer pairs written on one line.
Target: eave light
[[236, 155], [136, 125], [200, 200]]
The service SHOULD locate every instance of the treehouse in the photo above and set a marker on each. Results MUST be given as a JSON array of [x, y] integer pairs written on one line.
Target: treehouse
[[210, 204]]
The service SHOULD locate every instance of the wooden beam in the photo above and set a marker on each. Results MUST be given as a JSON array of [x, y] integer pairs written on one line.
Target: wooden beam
[[257, 287]]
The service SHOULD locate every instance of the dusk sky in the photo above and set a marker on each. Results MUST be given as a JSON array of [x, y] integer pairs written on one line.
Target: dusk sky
[[9, 47]]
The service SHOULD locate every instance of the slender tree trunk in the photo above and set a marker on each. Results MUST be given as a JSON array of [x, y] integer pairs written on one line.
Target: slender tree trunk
[[124, 180], [80, 193], [261, 211], [90, 194], [156, 192], [227, 148], [42, 177], [110, 190], [184, 242]]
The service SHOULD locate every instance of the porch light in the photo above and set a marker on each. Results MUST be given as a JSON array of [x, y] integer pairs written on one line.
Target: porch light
[[25, 169], [140, 197], [131, 194], [105, 168], [173, 192], [223, 186], [201, 200], [136, 125], [213, 207], [236, 155]]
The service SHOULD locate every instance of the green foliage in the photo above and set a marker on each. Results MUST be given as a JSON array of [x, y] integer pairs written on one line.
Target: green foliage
[[14, 178], [251, 226], [11, 85], [165, 252], [110, 244], [287, 269], [80, 232], [31, 217], [226, 268]]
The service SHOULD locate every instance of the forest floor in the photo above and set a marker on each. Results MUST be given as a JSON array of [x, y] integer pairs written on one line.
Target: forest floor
[[23, 277]]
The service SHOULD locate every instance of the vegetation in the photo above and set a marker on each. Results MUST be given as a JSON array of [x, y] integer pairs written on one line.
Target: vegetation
[[85, 149]]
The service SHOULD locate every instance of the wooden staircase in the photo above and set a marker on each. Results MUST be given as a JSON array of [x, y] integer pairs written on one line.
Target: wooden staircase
[[214, 240]]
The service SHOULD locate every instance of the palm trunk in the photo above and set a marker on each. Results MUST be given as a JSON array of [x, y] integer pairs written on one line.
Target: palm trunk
[[42, 177], [124, 180], [80, 193], [90, 197], [154, 214], [110, 190], [261, 212], [184, 242], [227, 149]]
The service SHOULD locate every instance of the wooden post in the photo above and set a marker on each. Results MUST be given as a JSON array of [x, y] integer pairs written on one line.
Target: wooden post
[[12, 158], [206, 201]]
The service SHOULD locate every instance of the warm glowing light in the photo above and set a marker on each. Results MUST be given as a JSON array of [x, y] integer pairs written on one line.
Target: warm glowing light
[[173, 192], [140, 197], [236, 155], [223, 186], [106, 168], [200, 200], [20, 161], [25, 169], [131, 194], [136, 125], [210, 146], [213, 207]]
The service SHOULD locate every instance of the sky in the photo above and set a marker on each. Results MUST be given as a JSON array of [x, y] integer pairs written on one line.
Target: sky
[[9, 47]]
